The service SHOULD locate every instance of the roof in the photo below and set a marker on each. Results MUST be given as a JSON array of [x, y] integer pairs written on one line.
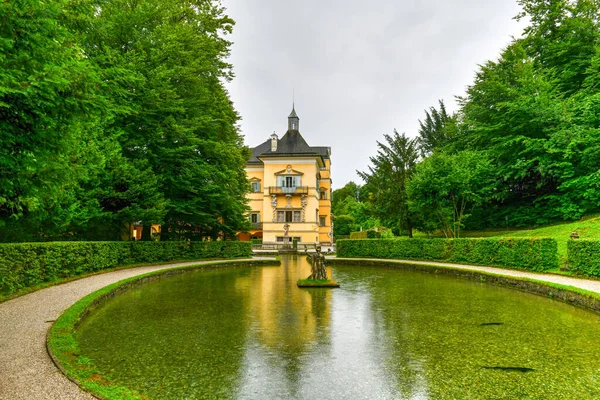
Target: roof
[[292, 143], [293, 114]]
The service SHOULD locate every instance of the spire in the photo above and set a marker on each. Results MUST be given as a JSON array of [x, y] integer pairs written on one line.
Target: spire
[[293, 120]]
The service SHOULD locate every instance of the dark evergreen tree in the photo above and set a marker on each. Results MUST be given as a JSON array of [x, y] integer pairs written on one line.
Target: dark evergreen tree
[[387, 177]]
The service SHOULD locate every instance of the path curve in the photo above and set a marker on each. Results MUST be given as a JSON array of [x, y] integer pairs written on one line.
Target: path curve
[[591, 285], [26, 370]]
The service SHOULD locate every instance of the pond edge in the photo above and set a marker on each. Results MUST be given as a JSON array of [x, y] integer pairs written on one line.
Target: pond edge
[[63, 348], [568, 294]]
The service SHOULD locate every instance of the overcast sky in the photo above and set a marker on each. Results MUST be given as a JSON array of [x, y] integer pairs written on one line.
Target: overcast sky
[[359, 69]]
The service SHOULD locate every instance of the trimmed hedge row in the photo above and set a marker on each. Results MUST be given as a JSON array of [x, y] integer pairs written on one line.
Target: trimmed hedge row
[[530, 254], [24, 265], [584, 256], [358, 235]]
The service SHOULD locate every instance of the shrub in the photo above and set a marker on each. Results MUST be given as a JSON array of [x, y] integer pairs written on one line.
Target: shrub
[[373, 235], [584, 256], [530, 254], [358, 235], [25, 265]]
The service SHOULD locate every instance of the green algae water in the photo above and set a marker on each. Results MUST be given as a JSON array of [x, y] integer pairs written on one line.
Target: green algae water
[[250, 333]]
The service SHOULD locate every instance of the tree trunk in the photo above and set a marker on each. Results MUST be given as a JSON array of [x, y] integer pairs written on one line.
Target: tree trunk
[[409, 227], [165, 232], [146, 233]]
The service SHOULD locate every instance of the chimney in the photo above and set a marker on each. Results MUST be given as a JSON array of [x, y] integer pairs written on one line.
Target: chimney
[[274, 139]]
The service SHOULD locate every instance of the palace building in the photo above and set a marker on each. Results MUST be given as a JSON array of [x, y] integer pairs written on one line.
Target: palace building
[[291, 189]]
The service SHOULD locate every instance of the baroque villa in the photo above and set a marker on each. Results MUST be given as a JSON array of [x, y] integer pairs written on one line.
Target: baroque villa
[[291, 189]]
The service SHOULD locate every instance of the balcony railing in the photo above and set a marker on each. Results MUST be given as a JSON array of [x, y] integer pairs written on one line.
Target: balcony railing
[[288, 190], [257, 225]]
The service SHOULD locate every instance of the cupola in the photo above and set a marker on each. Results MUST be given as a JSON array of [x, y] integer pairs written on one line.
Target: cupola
[[293, 121], [274, 139]]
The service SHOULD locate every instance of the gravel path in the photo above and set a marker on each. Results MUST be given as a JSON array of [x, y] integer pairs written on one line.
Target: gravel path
[[26, 370]]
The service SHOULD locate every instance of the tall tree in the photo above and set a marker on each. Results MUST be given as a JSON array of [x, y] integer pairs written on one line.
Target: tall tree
[[166, 61], [445, 188], [48, 92], [436, 130], [387, 177]]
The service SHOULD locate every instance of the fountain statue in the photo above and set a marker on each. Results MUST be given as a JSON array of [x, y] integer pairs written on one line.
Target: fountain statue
[[318, 276], [317, 261]]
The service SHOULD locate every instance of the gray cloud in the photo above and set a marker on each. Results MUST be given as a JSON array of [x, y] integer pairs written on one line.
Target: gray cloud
[[359, 69]]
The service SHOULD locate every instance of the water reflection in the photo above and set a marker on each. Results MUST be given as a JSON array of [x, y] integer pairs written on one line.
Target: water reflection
[[251, 333]]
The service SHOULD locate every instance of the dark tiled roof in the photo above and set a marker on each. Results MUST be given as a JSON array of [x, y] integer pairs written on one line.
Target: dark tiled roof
[[292, 143]]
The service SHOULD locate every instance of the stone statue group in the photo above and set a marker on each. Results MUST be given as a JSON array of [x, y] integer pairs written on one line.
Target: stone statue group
[[317, 261]]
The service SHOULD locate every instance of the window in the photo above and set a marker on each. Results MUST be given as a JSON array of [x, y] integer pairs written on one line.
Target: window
[[289, 216], [323, 195], [255, 187], [280, 216], [280, 239], [255, 218], [289, 181], [322, 220]]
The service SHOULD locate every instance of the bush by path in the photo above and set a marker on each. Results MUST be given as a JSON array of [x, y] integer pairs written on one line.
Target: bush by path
[[24, 265], [529, 254], [584, 256]]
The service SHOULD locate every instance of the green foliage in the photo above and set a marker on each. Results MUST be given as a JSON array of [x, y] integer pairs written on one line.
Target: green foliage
[[438, 129], [28, 264], [530, 254], [583, 256], [343, 225], [387, 178], [358, 235], [177, 114], [373, 234], [446, 187], [523, 148], [352, 209], [533, 111], [116, 112], [48, 97]]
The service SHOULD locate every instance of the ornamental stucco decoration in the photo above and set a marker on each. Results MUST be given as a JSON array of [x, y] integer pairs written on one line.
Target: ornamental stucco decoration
[[303, 201], [274, 205]]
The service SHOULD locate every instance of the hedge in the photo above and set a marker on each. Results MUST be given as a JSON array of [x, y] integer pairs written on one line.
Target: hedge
[[24, 265], [358, 235], [530, 254], [584, 256]]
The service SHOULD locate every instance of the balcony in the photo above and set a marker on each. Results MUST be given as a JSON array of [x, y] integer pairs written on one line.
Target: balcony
[[288, 190], [257, 226]]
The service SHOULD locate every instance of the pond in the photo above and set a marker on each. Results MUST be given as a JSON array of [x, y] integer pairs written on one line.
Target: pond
[[386, 333]]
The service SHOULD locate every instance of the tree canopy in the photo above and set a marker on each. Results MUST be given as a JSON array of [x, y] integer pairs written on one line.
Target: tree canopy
[[523, 149], [115, 112]]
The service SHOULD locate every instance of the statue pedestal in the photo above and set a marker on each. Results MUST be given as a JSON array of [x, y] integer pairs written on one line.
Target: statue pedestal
[[311, 283]]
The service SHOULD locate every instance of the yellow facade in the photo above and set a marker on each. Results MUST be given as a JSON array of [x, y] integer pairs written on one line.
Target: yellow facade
[[291, 189]]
